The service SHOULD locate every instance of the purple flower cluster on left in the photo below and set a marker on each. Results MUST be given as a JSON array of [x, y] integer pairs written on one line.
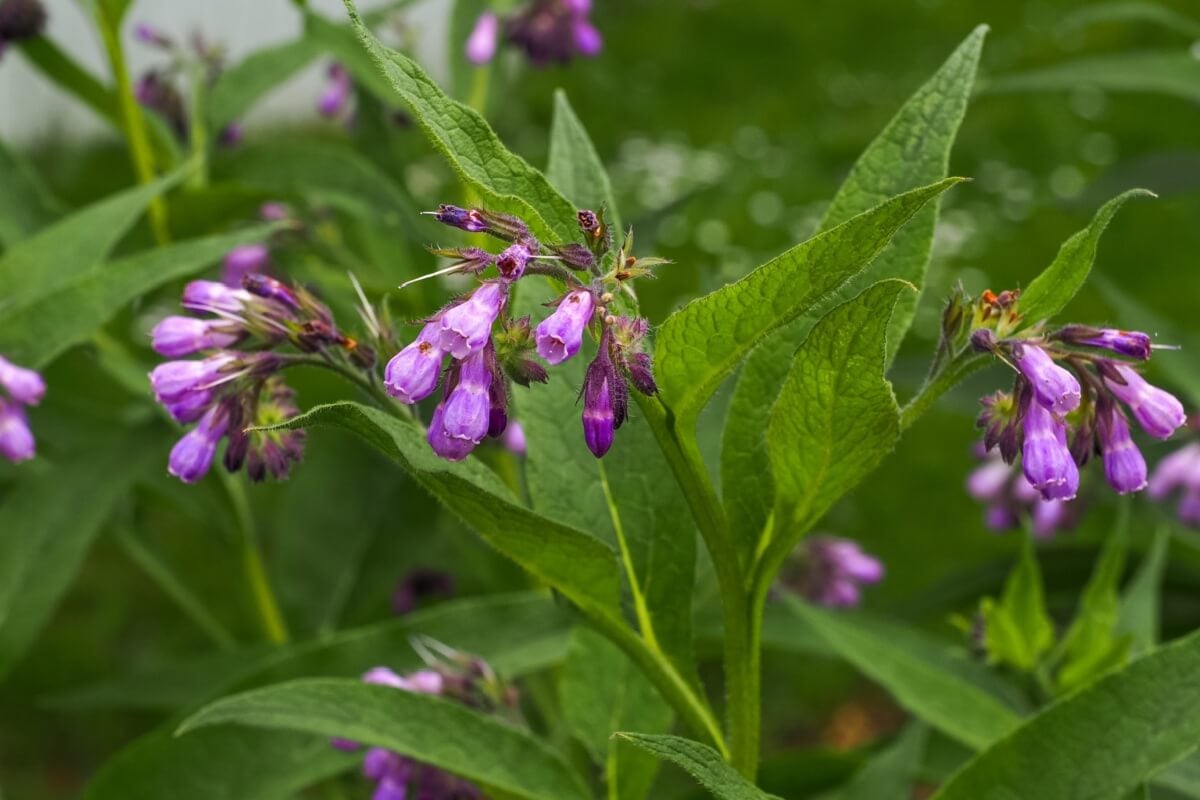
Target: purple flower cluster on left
[[19, 387]]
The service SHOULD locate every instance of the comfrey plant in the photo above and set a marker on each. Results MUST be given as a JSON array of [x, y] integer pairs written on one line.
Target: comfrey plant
[[19, 388], [487, 347]]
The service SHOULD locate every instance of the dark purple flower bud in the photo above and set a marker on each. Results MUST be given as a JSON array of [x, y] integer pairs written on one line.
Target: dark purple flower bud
[[511, 263], [514, 439], [1045, 457], [449, 448], [834, 570], [1124, 465], [192, 456], [268, 288], [467, 327], [419, 585], [211, 296], [413, 373], [589, 223], [243, 260], [333, 100], [989, 482], [1158, 412], [231, 135], [599, 411], [1133, 344], [575, 256], [16, 438], [469, 220], [1054, 387], [172, 380], [481, 44], [467, 409], [183, 336], [999, 421], [560, 335], [23, 385], [641, 373], [1180, 469], [983, 340], [1048, 517], [20, 19]]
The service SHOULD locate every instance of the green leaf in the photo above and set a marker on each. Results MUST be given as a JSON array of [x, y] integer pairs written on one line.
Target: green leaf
[[700, 344], [34, 333], [701, 762], [1139, 615], [914, 149], [1169, 72], [73, 246], [26, 205], [240, 87], [1131, 12], [836, 417], [1017, 629], [1050, 291], [428, 729], [1099, 743], [220, 764], [505, 181], [580, 566], [1091, 646], [575, 167], [890, 775], [44, 540], [922, 676], [603, 692]]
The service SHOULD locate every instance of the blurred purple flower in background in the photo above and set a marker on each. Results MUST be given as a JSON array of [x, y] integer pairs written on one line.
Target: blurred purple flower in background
[[19, 388]]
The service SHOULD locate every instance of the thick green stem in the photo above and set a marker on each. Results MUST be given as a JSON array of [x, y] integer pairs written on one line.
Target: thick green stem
[[132, 121], [743, 701], [269, 615]]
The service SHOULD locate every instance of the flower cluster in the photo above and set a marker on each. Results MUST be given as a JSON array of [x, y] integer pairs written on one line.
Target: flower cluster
[[1072, 388], [156, 88], [236, 385], [20, 20], [1180, 471], [548, 31], [454, 676], [831, 572], [19, 387], [483, 360], [1007, 497]]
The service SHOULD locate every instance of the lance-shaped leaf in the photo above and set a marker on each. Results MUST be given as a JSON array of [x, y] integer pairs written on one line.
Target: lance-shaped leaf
[[1092, 645], [580, 566], [1170, 72], [575, 168], [701, 762], [26, 205], [836, 417], [1099, 743], [241, 86], [505, 181], [1050, 291], [1139, 614], [913, 150], [73, 246], [34, 333], [428, 729]]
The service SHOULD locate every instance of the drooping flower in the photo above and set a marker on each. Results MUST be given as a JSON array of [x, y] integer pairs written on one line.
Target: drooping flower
[[1158, 412], [1008, 497], [560, 335], [412, 374], [1053, 387], [1124, 465], [182, 336], [467, 327], [466, 410], [1179, 471], [16, 438], [485, 36], [604, 402], [1045, 456], [832, 571], [192, 456]]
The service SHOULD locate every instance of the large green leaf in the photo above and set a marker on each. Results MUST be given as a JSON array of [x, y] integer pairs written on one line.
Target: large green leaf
[[701, 762], [1050, 291], [218, 764], [914, 149], [699, 345], [35, 332], [505, 181], [603, 692], [26, 205], [241, 86], [43, 539], [429, 729], [575, 168], [922, 676], [580, 566], [1100, 743], [1171, 72], [836, 417], [73, 246]]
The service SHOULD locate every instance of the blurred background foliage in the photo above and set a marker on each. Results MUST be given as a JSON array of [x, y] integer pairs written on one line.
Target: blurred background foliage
[[727, 126]]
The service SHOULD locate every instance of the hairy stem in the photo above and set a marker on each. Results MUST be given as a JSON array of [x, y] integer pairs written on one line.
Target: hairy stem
[[937, 385], [645, 622], [743, 700], [132, 121]]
